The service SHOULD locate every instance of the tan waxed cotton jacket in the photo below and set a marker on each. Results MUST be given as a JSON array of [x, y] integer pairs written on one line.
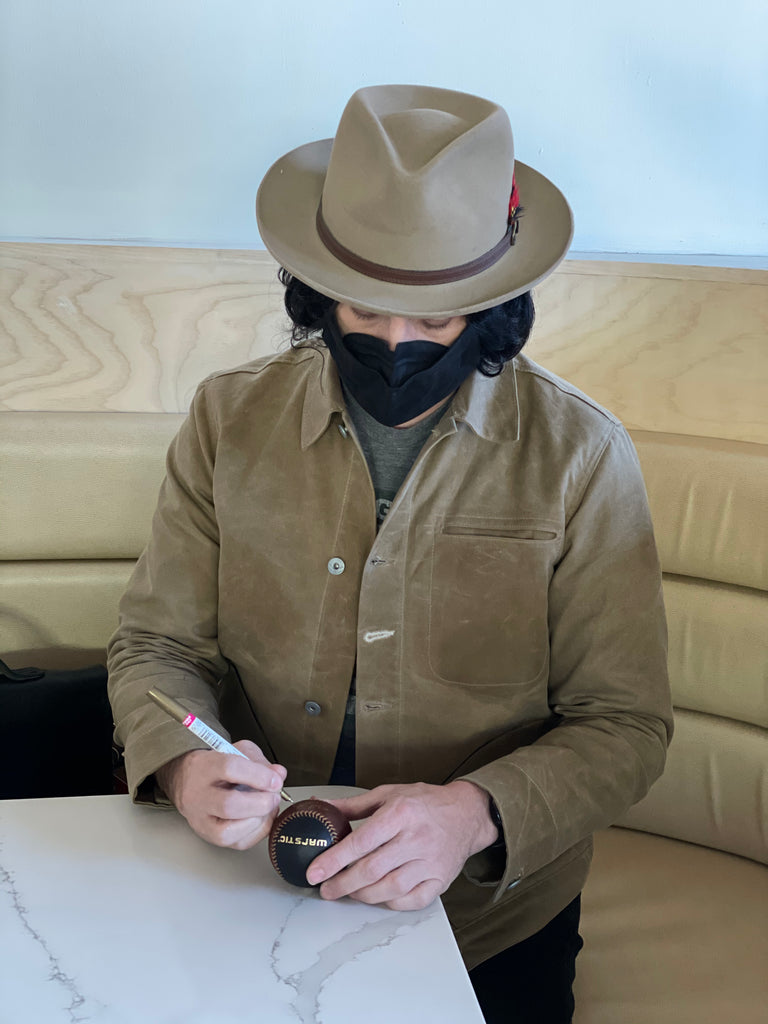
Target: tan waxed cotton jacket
[[506, 623]]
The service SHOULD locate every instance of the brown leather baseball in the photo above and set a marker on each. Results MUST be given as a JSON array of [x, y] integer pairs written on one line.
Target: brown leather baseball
[[300, 833]]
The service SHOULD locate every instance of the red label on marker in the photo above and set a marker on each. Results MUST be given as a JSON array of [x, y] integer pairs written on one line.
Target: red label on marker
[[188, 720]]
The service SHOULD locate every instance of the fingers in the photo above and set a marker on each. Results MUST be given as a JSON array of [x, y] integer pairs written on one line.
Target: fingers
[[238, 828], [239, 834], [419, 897], [409, 849], [253, 770], [251, 751], [402, 890], [371, 836], [387, 871], [408, 886], [228, 800], [231, 803]]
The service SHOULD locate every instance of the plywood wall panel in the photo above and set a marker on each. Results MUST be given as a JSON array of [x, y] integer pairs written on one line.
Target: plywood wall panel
[[677, 349], [119, 328]]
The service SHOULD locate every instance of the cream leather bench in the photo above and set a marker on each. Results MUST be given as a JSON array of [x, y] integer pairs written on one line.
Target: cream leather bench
[[77, 492], [676, 907]]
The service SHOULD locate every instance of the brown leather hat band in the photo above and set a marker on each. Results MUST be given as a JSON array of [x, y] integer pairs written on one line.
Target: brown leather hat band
[[393, 275]]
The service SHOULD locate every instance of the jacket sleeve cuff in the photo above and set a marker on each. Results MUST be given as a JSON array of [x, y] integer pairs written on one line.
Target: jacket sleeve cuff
[[148, 792], [487, 867], [146, 753], [492, 866]]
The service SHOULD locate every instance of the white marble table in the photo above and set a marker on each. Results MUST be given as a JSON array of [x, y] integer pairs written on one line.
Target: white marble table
[[119, 914]]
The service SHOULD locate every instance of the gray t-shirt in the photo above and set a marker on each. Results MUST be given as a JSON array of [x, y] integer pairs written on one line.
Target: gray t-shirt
[[389, 451]]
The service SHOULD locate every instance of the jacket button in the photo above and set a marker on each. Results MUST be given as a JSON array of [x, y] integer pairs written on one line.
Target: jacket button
[[336, 567], [312, 707]]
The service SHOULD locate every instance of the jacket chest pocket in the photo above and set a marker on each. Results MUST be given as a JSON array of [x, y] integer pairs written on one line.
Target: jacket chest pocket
[[488, 599]]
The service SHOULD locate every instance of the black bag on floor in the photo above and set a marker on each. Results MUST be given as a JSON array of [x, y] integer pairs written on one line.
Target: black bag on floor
[[55, 733]]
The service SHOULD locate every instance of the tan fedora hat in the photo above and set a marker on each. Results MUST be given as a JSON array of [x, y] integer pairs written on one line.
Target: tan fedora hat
[[408, 209]]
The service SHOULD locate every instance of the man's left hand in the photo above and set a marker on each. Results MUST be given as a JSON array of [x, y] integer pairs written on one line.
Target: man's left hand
[[411, 847]]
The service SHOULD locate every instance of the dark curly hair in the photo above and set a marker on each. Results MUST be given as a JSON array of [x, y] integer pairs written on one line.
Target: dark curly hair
[[504, 329]]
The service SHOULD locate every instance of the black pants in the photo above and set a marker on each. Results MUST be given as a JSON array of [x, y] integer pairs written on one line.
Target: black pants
[[532, 982]]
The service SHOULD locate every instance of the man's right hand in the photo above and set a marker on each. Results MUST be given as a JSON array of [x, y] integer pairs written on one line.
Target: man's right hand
[[228, 800]]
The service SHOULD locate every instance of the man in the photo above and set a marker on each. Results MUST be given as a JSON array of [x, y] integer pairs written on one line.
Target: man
[[402, 555]]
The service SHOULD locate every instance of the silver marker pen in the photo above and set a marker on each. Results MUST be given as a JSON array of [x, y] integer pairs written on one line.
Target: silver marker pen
[[198, 728]]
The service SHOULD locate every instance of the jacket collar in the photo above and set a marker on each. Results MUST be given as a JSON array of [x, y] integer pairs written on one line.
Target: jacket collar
[[322, 398], [489, 405]]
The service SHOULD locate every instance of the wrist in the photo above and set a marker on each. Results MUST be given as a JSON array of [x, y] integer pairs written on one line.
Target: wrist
[[166, 775], [485, 831]]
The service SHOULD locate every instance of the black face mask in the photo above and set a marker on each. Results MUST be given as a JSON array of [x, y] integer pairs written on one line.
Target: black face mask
[[395, 386]]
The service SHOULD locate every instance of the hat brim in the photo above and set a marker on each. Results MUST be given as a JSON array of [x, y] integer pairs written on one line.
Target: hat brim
[[286, 208]]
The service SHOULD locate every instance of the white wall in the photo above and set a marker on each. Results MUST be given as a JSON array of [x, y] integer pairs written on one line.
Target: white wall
[[154, 120]]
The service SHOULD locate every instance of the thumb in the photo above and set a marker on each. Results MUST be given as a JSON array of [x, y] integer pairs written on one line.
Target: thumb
[[254, 753], [251, 751]]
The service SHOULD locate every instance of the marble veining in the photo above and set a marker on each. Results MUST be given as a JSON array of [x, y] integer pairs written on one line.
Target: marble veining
[[56, 974], [309, 982], [114, 914]]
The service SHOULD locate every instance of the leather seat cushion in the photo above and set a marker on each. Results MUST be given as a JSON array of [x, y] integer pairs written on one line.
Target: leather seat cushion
[[674, 933]]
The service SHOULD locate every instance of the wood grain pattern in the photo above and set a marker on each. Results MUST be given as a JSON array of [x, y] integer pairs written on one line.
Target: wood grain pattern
[[128, 329], [679, 349]]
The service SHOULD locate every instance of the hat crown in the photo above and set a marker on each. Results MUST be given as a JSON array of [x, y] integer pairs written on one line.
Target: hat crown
[[419, 178]]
